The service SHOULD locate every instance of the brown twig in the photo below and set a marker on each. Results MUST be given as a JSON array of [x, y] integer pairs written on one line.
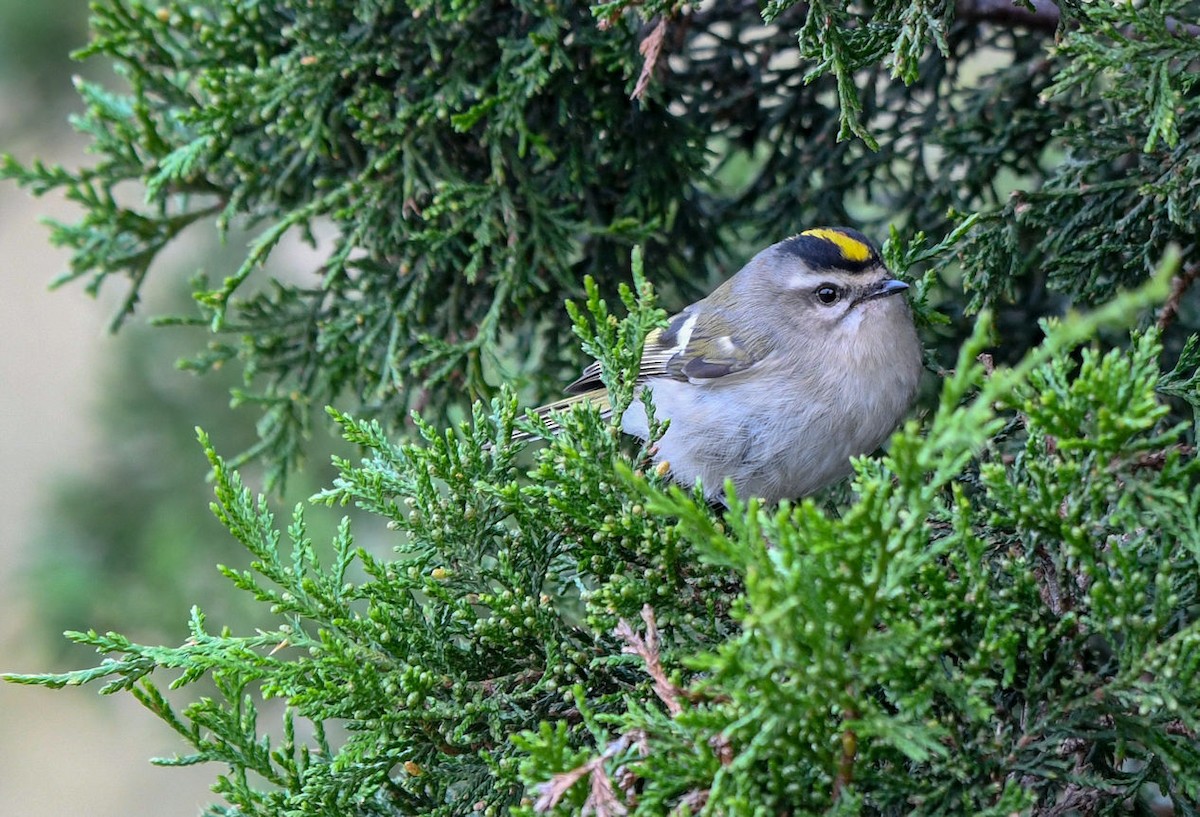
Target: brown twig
[[602, 799], [650, 48], [987, 362], [1155, 460], [647, 649], [1179, 287], [845, 772], [1078, 799]]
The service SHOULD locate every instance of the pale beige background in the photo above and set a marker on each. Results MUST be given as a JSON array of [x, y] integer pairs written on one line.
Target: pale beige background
[[66, 752]]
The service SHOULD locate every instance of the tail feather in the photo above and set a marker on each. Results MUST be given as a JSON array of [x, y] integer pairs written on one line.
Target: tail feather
[[596, 397]]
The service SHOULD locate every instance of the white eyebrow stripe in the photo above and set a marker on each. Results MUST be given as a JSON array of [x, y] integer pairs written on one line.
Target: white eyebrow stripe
[[804, 280]]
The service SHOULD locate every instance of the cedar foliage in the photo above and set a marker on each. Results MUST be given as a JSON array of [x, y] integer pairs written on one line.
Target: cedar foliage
[[998, 617]]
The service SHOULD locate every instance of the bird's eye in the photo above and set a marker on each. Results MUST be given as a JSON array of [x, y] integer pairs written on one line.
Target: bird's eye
[[827, 293]]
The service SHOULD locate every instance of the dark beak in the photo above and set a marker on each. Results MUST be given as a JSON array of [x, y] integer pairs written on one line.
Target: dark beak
[[886, 287]]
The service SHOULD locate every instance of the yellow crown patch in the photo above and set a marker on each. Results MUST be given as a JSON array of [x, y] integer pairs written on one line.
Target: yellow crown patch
[[851, 248]]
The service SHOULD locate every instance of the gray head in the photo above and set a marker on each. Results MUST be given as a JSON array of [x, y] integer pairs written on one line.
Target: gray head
[[826, 281]]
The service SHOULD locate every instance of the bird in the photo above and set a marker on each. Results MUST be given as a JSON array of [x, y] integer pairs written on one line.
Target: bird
[[804, 358]]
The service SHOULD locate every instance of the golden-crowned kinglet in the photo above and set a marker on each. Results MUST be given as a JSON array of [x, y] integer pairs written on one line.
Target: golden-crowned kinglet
[[798, 362]]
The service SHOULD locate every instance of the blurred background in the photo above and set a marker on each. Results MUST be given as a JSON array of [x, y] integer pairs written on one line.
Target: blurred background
[[104, 520]]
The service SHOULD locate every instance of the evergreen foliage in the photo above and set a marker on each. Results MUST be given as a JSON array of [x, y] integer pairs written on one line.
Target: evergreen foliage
[[999, 616]]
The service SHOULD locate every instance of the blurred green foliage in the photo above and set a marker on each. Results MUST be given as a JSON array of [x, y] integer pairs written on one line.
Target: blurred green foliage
[[35, 65], [125, 538]]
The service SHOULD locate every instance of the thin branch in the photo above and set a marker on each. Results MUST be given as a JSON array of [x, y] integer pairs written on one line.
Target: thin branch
[[602, 799], [650, 49], [647, 649], [845, 772], [1179, 287]]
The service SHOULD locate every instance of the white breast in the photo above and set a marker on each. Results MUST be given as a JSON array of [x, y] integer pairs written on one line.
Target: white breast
[[788, 439]]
